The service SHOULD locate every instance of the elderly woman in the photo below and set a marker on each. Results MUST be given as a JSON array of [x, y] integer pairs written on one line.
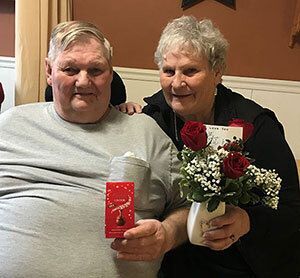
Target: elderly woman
[[191, 59]]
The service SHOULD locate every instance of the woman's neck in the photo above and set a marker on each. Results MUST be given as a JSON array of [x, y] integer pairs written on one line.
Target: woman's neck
[[206, 116]]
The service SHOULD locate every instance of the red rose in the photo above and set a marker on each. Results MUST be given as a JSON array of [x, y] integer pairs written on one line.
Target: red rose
[[247, 127], [233, 146], [234, 165], [194, 135]]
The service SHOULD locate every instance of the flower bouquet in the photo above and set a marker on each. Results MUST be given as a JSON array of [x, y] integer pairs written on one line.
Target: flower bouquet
[[223, 175]]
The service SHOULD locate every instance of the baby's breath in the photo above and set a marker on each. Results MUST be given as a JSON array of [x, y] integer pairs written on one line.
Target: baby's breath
[[203, 178]]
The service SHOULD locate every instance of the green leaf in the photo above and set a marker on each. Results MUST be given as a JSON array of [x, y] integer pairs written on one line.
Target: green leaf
[[229, 194], [254, 198], [189, 196], [232, 201], [210, 194], [179, 156], [199, 198], [245, 198], [231, 186], [242, 178], [183, 182], [193, 155], [188, 157], [184, 191], [212, 204], [239, 192], [185, 157]]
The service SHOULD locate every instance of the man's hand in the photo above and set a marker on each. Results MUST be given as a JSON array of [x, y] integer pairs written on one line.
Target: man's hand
[[228, 228], [129, 107], [145, 242]]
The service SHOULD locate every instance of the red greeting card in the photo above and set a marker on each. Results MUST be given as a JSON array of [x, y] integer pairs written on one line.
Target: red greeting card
[[119, 208]]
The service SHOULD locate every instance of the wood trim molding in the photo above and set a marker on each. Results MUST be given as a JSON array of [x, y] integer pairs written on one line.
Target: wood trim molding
[[231, 81], [7, 62]]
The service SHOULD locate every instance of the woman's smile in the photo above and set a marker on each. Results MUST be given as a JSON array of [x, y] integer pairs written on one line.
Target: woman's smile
[[181, 96]]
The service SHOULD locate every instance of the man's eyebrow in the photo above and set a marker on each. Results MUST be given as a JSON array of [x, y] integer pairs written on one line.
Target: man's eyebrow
[[98, 59], [96, 62], [69, 59], [66, 61]]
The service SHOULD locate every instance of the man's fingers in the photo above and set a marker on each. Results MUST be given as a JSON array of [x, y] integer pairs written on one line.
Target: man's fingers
[[144, 242], [144, 228], [122, 244]]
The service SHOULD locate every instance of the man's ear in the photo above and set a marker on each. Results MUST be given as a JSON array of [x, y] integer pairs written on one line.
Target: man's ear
[[48, 68], [111, 75]]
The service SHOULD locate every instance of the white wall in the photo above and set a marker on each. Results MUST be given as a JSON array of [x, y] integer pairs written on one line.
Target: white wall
[[283, 97], [7, 78]]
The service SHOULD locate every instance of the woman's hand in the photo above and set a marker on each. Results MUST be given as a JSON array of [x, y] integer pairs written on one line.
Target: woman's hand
[[228, 228], [129, 107]]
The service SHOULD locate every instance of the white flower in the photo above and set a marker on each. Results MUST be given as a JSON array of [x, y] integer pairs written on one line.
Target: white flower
[[203, 175]]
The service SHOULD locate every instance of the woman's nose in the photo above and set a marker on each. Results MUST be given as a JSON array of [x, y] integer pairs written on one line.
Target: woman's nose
[[83, 79], [178, 81]]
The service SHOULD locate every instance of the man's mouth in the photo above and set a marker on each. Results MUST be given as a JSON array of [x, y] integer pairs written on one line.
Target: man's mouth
[[83, 94]]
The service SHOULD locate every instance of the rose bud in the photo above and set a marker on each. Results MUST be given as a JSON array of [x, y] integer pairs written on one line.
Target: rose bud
[[193, 135], [247, 127]]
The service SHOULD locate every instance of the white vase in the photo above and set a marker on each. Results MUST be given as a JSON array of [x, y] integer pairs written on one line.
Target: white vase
[[198, 218]]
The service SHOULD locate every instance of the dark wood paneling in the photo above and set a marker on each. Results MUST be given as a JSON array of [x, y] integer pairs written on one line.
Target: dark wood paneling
[[7, 28], [258, 32]]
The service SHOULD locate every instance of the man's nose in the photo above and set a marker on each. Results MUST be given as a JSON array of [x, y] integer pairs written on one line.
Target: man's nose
[[83, 79]]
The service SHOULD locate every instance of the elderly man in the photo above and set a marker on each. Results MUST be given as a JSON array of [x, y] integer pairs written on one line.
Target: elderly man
[[55, 159]]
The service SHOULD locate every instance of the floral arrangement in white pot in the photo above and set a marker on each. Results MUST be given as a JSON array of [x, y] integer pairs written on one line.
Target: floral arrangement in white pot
[[213, 177]]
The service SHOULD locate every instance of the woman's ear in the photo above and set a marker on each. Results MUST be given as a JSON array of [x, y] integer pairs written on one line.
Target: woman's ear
[[218, 76], [48, 69]]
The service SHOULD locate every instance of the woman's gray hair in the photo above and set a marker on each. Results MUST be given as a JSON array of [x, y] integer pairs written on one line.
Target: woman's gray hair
[[193, 37], [66, 33]]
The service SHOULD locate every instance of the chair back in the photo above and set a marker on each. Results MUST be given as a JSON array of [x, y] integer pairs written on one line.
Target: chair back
[[1, 95]]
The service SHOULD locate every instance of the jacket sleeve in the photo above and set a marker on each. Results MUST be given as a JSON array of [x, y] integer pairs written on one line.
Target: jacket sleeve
[[273, 233]]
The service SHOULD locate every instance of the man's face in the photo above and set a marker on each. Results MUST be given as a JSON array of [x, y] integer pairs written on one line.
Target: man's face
[[80, 78]]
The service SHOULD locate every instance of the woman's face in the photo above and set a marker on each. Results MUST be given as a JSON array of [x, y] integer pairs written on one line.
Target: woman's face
[[189, 85]]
